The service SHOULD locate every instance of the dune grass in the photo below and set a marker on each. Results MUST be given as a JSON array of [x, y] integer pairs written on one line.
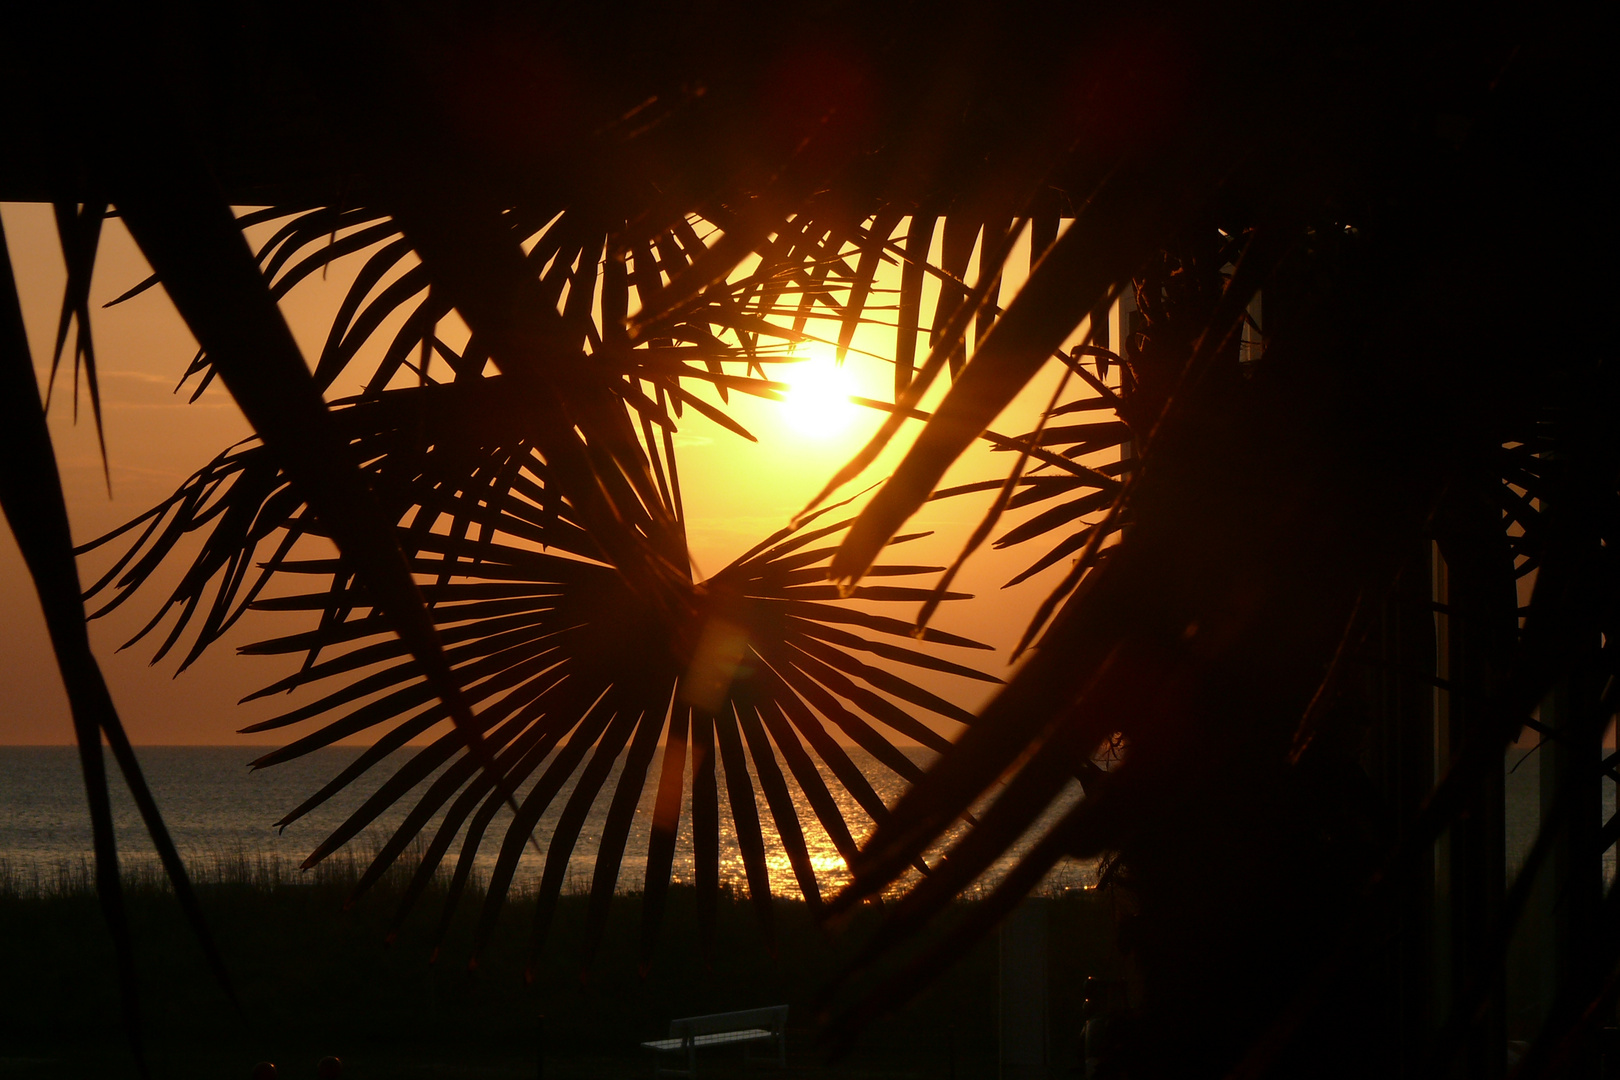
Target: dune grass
[[316, 979]]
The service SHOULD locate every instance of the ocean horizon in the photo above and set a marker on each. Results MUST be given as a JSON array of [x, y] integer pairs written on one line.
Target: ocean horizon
[[219, 811]]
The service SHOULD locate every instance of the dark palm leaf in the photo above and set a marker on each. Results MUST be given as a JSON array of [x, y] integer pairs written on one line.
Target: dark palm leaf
[[80, 231], [31, 497], [555, 649], [557, 659]]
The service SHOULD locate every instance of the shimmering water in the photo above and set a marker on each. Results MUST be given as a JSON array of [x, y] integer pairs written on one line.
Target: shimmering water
[[217, 810]]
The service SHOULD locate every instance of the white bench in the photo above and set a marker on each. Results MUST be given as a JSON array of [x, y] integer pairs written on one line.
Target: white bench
[[746, 1028]]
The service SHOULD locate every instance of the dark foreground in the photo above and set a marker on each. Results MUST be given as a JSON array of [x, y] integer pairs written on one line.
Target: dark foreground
[[315, 980]]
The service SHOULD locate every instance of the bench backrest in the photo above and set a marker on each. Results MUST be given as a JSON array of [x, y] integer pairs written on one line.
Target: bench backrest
[[772, 1018]]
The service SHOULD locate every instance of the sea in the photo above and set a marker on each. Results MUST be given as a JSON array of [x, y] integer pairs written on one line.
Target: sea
[[222, 814]]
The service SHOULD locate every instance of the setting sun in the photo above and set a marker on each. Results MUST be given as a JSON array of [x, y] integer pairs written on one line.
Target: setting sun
[[817, 401]]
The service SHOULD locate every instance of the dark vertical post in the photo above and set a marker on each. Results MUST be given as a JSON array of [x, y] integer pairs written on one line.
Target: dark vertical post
[[1477, 601], [1571, 788], [1448, 893], [1024, 1025], [1401, 764], [540, 1047]]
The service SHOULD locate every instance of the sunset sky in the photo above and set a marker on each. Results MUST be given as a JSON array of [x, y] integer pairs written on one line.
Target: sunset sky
[[735, 492]]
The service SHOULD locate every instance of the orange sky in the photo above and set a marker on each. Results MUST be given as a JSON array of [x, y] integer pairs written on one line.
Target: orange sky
[[735, 493]]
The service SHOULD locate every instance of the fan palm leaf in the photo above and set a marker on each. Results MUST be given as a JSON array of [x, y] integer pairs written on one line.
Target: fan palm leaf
[[567, 667]]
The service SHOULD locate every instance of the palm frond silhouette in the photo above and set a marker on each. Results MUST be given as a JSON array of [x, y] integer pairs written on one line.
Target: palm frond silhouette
[[1318, 591]]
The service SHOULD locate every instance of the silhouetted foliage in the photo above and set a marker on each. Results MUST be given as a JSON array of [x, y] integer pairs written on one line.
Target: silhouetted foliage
[[1413, 194]]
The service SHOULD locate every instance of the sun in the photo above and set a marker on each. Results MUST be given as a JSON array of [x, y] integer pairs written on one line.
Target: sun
[[817, 402]]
